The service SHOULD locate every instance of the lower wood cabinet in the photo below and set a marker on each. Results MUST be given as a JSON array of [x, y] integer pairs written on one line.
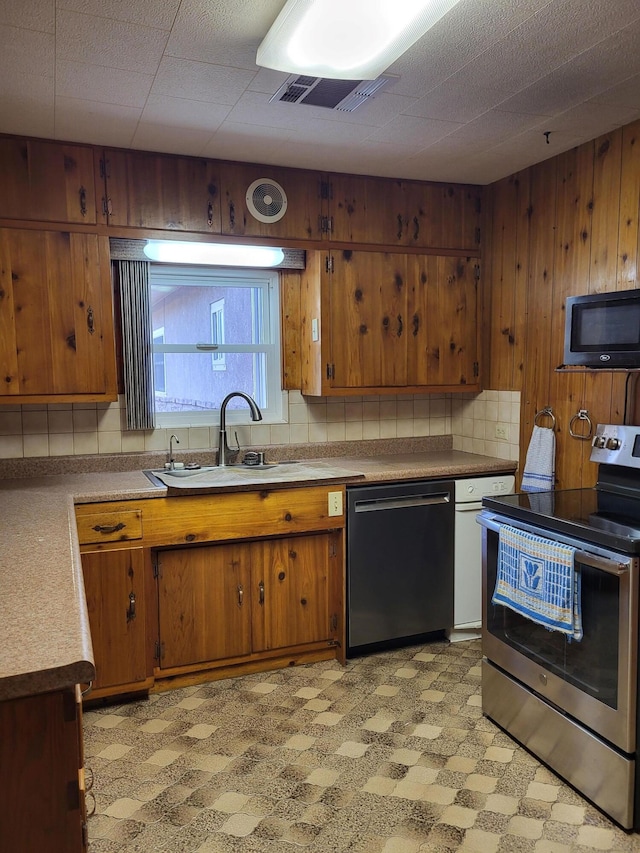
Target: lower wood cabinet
[[42, 804], [232, 600], [234, 582], [115, 591]]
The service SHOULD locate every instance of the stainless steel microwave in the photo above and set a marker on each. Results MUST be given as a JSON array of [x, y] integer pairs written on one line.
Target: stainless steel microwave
[[603, 330]]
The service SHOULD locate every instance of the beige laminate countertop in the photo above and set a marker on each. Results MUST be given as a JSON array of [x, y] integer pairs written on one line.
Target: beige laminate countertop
[[45, 643]]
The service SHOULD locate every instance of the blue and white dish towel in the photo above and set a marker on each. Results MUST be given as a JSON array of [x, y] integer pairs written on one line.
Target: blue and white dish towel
[[540, 464], [538, 579]]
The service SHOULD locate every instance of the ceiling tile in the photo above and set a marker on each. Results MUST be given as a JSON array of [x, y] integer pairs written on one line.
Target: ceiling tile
[[26, 104], [115, 44], [157, 13], [35, 15], [175, 140], [161, 110], [223, 33], [204, 82], [104, 85], [26, 52], [96, 123]]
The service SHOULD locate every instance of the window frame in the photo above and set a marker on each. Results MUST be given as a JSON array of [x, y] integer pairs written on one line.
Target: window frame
[[268, 281]]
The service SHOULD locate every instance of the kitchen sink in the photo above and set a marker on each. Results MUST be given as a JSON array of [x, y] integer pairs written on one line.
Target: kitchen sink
[[213, 478]]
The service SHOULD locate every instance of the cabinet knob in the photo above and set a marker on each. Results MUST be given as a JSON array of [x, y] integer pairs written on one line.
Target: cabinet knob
[[240, 595], [261, 591]]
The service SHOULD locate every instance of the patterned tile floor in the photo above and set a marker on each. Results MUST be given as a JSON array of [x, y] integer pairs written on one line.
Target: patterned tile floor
[[390, 754]]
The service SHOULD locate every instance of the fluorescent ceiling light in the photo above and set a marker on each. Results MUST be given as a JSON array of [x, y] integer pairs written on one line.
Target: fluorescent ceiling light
[[346, 39], [214, 254]]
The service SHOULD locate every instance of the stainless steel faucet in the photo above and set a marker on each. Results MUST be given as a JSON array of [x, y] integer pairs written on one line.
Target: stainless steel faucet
[[256, 415]]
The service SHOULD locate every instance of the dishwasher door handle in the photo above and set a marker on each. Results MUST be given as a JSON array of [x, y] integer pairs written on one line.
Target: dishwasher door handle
[[375, 505]]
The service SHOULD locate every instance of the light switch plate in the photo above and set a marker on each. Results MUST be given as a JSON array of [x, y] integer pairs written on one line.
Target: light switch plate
[[335, 503]]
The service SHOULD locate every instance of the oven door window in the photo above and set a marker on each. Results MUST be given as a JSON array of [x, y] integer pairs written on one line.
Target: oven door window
[[591, 664]]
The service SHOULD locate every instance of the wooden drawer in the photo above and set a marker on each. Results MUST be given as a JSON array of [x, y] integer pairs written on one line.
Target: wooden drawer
[[240, 515], [104, 526]]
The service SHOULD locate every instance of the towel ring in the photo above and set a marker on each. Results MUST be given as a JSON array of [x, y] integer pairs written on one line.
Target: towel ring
[[549, 413], [581, 415]]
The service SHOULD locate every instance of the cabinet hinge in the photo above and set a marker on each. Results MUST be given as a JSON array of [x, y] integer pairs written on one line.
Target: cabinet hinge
[[477, 235], [328, 263], [331, 371], [326, 189], [326, 224], [476, 369], [105, 171], [154, 563], [476, 272]]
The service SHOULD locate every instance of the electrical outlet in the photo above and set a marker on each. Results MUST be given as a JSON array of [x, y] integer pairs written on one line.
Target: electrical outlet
[[335, 503], [502, 432]]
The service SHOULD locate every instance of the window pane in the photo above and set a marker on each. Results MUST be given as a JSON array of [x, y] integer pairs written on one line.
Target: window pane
[[186, 314], [192, 386]]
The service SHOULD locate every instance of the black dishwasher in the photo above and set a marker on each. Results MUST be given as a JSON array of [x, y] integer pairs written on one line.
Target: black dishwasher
[[399, 563]]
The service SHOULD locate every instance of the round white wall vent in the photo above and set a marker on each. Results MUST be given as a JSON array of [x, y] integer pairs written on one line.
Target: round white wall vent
[[266, 200]]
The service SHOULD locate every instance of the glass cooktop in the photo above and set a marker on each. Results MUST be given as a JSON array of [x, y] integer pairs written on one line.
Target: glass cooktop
[[601, 517]]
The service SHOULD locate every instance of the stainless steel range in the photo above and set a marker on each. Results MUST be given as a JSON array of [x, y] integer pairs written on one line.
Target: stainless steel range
[[572, 699]]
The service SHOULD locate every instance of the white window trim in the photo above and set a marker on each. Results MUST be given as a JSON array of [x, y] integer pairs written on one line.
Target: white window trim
[[159, 332], [218, 358], [267, 279]]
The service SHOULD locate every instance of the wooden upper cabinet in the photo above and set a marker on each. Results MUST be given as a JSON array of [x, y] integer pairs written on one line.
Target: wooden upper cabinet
[[265, 189], [368, 319], [387, 322], [56, 318], [161, 191], [442, 320], [46, 181], [390, 212]]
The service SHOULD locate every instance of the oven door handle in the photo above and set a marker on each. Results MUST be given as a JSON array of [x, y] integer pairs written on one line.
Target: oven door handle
[[611, 567]]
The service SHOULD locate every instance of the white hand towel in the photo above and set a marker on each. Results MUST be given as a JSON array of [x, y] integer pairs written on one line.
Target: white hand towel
[[540, 465]]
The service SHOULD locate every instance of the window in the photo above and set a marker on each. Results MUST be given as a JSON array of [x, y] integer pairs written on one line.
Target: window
[[215, 331], [218, 359]]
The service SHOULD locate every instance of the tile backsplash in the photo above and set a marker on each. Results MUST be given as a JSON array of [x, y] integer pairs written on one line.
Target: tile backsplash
[[99, 428]]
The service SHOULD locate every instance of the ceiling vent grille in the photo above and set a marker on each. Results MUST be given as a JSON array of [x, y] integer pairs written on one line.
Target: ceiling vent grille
[[342, 95]]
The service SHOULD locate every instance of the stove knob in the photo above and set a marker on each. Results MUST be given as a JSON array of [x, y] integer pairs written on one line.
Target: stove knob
[[613, 443], [599, 441]]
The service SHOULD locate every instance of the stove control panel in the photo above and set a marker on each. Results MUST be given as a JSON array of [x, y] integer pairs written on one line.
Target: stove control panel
[[616, 444]]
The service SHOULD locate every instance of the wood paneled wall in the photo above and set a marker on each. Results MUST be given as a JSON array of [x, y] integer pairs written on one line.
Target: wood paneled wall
[[564, 227]]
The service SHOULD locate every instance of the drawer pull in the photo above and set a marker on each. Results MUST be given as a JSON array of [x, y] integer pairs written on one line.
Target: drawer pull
[[240, 595], [131, 610], [261, 589], [109, 528]]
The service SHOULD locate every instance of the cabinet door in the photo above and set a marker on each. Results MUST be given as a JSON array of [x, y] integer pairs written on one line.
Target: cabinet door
[[404, 213], [290, 591], [114, 587], [162, 191], [46, 181], [56, 317], [41, 802], [442, 320], [301, 219], [368, 319], [204, 609]]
